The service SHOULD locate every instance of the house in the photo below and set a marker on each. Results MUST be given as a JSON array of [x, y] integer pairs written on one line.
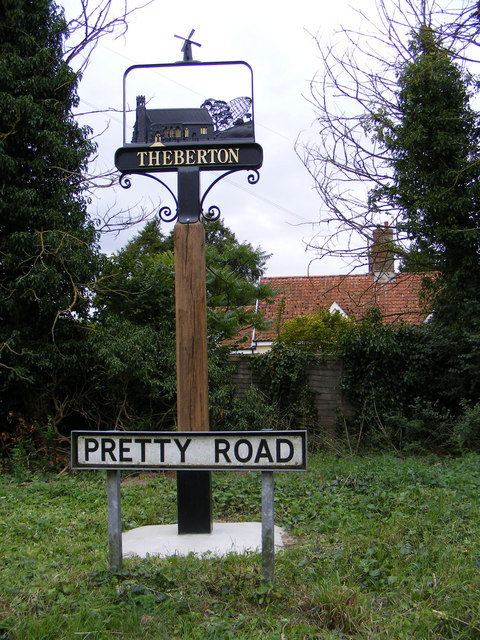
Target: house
[[351, 295], [396, 295], [192, 125], [166, 126]]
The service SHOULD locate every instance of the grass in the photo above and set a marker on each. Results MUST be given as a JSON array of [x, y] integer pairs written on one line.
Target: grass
[[384, 548]]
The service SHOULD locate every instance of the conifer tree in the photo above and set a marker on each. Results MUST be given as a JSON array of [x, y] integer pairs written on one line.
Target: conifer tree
[[435, 158], [48, 253]]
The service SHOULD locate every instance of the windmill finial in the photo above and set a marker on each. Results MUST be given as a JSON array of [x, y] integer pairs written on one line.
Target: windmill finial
[[187, 46]]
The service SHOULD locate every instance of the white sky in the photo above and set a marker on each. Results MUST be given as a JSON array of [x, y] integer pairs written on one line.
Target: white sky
[[282, 210]]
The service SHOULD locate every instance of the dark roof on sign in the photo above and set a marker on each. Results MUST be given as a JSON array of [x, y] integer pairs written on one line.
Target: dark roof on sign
[[180, 116], [397, 297], [244, 130]]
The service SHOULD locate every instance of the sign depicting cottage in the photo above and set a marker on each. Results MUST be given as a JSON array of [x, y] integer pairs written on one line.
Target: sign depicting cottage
[[217, 134]]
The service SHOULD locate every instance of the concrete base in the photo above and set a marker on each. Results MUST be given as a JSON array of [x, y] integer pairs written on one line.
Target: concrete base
[[226, 537]]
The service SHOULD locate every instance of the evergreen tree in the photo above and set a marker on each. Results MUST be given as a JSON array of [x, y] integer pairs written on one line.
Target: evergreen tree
[[133, 339], [48, 255], [138, 281], [435, 158], [233, 276]]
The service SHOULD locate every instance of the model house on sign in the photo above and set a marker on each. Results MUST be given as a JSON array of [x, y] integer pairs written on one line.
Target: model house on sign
[[213, 120]]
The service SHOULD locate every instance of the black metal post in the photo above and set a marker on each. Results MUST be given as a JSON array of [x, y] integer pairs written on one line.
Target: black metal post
[[194, 503], [189, 208]]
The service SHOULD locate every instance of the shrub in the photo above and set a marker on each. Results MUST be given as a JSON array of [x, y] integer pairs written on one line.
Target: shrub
[[315, 333], [29, 447], [413, 386], [466, 430], [282, 377]]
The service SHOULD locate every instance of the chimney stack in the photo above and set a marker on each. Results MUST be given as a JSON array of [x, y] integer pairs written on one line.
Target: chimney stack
[[381, 260]]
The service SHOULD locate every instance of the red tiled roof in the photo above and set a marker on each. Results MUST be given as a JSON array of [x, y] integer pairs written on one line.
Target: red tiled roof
[[398, 298]]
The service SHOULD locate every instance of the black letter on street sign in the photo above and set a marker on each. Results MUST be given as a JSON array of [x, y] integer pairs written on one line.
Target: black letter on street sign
[[249, 450], [124, 450], [91, 445], [182, 449], [263, 451], [108, 445], [223, 451], [162, 442], [289, 456], [142, 442]]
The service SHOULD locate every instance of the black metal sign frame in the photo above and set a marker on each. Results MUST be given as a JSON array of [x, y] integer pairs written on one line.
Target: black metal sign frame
[[176, 65], [189, 159]]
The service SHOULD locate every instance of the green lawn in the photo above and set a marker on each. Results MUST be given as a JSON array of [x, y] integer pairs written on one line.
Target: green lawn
[[384, 548]]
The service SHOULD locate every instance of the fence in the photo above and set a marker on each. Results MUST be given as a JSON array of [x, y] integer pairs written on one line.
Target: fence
[[324, 380]]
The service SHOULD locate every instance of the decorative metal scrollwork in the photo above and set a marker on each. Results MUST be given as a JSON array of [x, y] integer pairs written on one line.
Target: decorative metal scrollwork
[[212, 214], [167, 215], [124, 182], [224, 175]]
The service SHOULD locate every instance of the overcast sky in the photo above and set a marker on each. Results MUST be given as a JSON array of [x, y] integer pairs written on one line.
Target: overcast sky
[[282, 211]]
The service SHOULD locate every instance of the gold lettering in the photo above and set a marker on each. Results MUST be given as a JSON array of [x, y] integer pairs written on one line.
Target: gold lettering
[[153, 158], [222, 155], [233, 155], [167, 157], [141, 155], [179, 159], [201, 156]]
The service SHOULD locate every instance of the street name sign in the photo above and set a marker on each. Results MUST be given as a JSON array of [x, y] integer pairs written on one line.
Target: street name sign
[[236, 450]]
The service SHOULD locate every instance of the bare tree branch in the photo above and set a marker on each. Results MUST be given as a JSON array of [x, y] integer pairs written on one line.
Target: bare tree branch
[[355, 89], [94, 21]]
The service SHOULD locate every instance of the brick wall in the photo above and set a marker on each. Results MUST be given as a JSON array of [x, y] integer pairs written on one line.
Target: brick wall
[[324, 380]]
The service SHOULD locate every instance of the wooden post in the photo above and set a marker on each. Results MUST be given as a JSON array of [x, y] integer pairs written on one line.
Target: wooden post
[[193, 487], [191, 326]]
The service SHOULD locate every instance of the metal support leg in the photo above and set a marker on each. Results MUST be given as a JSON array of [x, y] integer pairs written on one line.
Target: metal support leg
[[268, 532], [114, 519]]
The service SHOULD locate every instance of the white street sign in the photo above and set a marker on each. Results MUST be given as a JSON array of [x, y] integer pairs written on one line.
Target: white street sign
[[260, 450]]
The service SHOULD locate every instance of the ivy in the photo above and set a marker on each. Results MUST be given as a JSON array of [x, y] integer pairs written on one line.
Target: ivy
[[412, 387], [282, 376]]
